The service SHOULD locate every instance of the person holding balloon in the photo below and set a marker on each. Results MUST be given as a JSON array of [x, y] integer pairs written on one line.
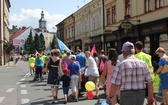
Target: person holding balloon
[[108, 72], [92, 71], [32, 63]]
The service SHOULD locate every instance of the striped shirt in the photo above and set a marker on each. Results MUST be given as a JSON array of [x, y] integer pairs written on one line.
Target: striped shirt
[[131, 74]]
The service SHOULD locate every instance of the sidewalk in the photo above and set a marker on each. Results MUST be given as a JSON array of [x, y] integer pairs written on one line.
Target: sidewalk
[[9, 64]]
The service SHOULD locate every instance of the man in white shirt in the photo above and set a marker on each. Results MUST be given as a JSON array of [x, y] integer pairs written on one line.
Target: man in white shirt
[[120, 57], [92, 71]]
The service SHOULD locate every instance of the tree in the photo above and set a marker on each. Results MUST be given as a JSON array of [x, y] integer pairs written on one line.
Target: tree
[[25, 45], [30, 44], [37, 43], [53, 43], [42, 42]]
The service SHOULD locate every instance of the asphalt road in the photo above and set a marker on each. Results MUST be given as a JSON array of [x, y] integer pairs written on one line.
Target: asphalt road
[[18, 88]]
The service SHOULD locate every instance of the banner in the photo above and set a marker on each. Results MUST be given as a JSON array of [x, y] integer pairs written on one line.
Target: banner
[[62, 46], [93, 50]]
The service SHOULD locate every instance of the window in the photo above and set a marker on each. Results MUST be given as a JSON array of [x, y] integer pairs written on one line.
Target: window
[[113, 14], [158, 3], [69, 32], [147, 5], [72, 32], [94, 23], [85, 26], [108, 16], [127, 7]]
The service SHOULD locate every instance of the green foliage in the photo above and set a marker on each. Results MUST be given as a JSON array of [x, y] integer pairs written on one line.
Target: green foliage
[[29, 44], [53, 43], [37, 43], [42, 42]]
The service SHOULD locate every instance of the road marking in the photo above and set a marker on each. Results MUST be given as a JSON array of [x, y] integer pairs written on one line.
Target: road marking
[[25, 102], [18, 83], [10, 89], [22, 86], [27, 75], [23, 91], [1, 99], [22, 79]]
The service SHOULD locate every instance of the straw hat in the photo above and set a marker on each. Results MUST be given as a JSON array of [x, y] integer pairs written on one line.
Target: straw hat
[[160, 49]]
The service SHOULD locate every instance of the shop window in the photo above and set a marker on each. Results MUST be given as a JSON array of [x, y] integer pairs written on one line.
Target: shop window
[[113, 14], [147, 45], [148, 5], [158, 3], [127, 7], [108, 16]]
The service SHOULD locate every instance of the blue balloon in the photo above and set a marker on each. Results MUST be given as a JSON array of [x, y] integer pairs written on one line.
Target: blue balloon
[[103, 102]]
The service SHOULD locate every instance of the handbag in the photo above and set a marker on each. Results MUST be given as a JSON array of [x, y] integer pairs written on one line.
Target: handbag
[[165, 67]]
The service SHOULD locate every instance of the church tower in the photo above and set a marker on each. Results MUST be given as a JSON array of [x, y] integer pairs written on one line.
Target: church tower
[[42, 21]]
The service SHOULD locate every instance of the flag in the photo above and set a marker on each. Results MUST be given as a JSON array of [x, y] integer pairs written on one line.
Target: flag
[[61, 45], [93, 50]]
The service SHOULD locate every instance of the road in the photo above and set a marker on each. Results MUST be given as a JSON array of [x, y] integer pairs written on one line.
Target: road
[[18, 88]]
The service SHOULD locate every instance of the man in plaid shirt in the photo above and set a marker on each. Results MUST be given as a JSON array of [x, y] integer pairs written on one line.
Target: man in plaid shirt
[[130, 76]]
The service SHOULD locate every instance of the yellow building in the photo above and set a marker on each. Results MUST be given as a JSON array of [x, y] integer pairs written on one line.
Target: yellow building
[[5, 46], [132, 20], [110, 23]]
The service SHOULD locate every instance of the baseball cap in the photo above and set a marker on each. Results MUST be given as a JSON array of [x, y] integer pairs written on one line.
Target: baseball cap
[[65, 70], [73, 57], [127, 46]]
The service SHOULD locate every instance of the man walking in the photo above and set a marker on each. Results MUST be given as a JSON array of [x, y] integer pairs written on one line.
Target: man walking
[[147, 59], [81, 59], [92, 71], [130, 76]]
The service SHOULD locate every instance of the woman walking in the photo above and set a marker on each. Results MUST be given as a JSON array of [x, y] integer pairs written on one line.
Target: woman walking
[[55, 71], [108, 72], [164, 77], [39, 66]]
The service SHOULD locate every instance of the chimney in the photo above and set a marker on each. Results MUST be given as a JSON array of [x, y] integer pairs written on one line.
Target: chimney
[[23, 27], [13, 26]]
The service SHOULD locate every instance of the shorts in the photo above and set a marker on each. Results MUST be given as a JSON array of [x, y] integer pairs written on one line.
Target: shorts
[[95, 80], [74, 83], [65, 90]]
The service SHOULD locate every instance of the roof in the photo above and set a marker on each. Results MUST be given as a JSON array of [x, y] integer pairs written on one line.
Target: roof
[[18, 33]]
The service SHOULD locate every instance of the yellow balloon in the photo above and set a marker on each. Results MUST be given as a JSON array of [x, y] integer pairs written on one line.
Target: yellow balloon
[[90, 86], [32, 65]]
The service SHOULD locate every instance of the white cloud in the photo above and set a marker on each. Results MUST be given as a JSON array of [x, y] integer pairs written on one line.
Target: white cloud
[[29, 17]]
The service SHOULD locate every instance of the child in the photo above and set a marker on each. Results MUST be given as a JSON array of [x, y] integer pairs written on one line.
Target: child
[[75, 76], [66, 82]]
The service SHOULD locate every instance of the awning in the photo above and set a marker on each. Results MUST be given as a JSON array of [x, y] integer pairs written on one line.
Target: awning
[[9, 48]]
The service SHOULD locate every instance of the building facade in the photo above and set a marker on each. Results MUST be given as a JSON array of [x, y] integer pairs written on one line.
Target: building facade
[[69, 31], [83, 28], [18, 39], [132, 20], [4, 31], [110, 23]]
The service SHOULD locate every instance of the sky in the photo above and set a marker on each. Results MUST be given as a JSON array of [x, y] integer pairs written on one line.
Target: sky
[[28, 12]]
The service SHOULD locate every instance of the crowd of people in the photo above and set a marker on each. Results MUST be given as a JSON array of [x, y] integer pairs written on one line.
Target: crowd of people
[[129, 76]]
